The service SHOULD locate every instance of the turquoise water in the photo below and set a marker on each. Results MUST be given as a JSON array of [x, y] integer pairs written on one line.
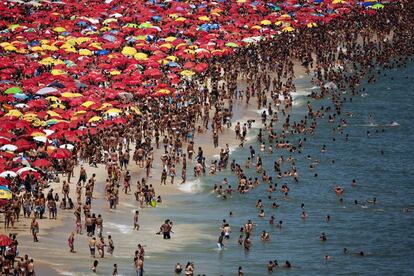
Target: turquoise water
[[383, 231]]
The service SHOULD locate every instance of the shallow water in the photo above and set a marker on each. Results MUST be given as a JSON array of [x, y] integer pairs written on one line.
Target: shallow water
[[382, 231]]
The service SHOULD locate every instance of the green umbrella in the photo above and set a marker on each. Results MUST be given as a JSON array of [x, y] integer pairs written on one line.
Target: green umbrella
[[275, 8], [232, 44], [378, 6], [13, 90], [145, 25]]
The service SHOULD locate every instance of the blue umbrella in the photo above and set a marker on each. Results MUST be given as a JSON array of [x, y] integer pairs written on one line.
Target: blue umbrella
[[102, 52], [56, 84], [20, 96], [157, 18], [82, 24], [110, 38], [173, 64]]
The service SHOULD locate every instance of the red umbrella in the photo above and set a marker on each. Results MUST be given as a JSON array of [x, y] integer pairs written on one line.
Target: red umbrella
[[41, 163], [60, 154], [5, 240]]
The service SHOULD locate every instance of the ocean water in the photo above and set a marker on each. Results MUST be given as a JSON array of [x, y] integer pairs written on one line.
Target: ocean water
[[383, 231]]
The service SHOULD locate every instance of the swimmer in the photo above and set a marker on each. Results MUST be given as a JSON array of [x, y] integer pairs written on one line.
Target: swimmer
[[323, 237], [354, 184], [303, 215], [339, 190], [265, 236]]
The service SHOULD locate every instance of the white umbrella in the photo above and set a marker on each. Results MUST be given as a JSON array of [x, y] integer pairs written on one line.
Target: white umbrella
[[42, 139], [48, 131], [67, 146], [330, 85], [21, 105], [25, 169], [46, 90], [8, 174], [9, 147]]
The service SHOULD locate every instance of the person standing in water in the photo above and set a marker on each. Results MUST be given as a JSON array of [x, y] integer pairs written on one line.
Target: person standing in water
[[71, 241], [34, 228], [136, 218], [220, 240]]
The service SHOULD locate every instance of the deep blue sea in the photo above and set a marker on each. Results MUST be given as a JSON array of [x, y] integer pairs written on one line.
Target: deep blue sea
[[383, 231]]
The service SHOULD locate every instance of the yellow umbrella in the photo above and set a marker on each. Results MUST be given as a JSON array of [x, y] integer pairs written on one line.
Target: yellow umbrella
[[59, 29], [180, 19], [94, 119], [57, 72], [170, 39], [287, 29], [141, 56], [136, 110], [57, 105], [172, 58], [88, 104], [37, 133], [256, 27], [181, 45], [338, 2], [166, 45], [265, 22], [164, 91], [53, 113], [52, 98], [204, 18], [187, 73], [96, 45], [51, 61], [85, 52], [311, 25], [14, 113], [113, 110], [71, 95], [36, 48], [129, 51], [79, 112], [105, 105], [115, 73]]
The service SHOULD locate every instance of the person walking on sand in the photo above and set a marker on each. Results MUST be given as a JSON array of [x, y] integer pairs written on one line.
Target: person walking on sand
[[34, 228], [71, 241]]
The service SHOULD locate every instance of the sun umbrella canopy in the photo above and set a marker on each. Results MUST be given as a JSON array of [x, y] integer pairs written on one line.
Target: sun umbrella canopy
[[4, 240], [13, 90]]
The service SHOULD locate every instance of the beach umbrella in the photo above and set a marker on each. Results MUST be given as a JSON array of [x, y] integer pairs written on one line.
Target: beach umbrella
[[20, 96], [288, 29], [46, 90], [13, 90], [266, 22], [41, 163], [377, 6], [6, 174], [60, 153], [67, 146], [330, 85], [231, 44], [41, 139], [8, 147], [59, 29], [25, 169], [4, 240]]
